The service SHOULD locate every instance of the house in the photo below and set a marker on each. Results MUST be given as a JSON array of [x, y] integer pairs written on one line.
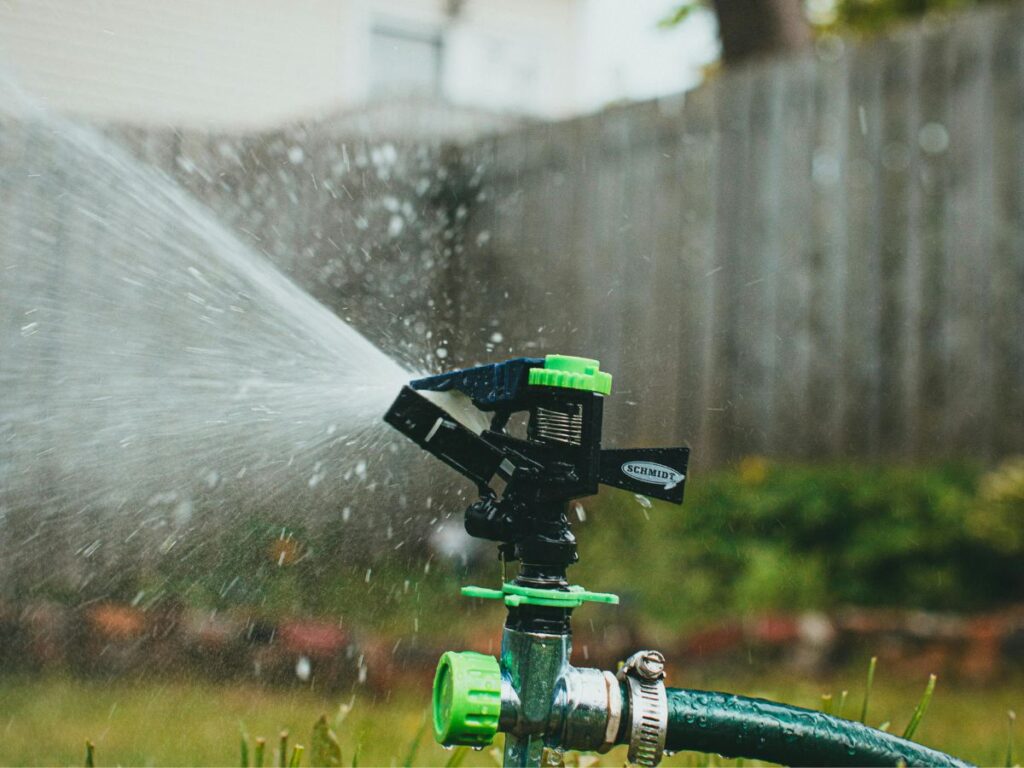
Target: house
[[253, 64]]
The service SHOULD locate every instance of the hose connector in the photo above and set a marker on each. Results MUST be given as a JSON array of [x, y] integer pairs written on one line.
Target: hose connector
[[644, 674], [467, 699]]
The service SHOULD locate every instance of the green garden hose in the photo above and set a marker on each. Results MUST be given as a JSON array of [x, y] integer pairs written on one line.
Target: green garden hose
[[740, 726]]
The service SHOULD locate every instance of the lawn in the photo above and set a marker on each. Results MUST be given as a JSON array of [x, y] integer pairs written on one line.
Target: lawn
[[45, 721]]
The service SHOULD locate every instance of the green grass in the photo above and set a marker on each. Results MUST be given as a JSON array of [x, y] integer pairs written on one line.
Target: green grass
[[46, 721]]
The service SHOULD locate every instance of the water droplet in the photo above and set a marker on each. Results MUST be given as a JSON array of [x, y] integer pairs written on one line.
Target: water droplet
[[933, 138], [395, 226]]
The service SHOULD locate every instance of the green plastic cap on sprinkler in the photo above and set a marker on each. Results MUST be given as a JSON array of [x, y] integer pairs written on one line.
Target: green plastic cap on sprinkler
[[572, 373], [467, 699]]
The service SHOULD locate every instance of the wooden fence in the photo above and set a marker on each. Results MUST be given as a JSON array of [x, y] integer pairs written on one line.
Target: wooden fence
[[822, 256], [819, 257]]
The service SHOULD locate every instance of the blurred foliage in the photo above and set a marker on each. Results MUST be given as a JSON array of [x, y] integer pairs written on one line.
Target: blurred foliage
[[762, 536], [679, 13], [278, 570], [999, 517], [847, 16], [872, 16], [783, 537]]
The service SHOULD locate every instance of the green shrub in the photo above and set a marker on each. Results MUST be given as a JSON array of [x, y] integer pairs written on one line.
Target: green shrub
[[771, 536]]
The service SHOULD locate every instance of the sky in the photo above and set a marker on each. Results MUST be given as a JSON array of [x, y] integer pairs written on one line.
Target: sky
[[636, 59]]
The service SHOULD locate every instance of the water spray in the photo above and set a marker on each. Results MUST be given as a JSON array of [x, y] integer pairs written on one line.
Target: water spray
[[532, 693]]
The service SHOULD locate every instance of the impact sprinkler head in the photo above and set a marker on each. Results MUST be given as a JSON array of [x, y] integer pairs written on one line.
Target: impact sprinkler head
[[560, 458]]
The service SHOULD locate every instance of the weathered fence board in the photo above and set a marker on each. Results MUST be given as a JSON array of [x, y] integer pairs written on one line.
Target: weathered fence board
[[823, 256]]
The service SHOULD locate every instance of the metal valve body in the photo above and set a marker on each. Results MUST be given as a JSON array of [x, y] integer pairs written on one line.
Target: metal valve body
[[547, 703]]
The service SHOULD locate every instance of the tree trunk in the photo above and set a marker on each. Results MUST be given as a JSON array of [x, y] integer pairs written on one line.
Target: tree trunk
[[751, 29]]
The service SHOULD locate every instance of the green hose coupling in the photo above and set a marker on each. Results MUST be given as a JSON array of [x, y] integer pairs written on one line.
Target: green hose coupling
[[467, 699]]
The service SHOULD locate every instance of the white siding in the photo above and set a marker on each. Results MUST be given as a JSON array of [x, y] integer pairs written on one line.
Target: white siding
[[249, 64], [229, 63]]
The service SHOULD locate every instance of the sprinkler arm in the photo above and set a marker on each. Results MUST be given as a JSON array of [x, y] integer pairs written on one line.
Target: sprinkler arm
[[482, 458], [563, 398], [438, 433]]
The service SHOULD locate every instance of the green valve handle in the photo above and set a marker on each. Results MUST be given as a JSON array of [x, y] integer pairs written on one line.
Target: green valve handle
[[467, 699], [515, 595]]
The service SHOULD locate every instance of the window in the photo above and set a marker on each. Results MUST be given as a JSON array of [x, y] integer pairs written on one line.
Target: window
[[404, 61]]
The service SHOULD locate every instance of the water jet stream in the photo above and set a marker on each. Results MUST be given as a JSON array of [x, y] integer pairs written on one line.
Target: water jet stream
[[153, 369]]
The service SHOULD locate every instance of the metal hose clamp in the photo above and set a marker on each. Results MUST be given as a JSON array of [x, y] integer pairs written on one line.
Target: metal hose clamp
[[644, 673]]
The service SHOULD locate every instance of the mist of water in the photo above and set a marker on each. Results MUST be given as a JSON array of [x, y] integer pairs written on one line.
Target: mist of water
[[154, 371]]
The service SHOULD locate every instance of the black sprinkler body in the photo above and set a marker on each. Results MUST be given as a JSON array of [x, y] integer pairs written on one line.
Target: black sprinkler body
[[559, 460]]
